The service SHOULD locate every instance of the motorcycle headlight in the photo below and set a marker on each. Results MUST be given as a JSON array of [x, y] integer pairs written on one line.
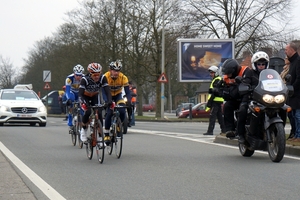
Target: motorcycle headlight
[[268, 98], [271, 99], [279, 98]]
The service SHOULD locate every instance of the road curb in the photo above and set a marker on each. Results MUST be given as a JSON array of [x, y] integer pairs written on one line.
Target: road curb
[[289, 149]]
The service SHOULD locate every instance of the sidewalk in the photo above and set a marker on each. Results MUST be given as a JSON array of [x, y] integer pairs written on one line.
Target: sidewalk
[[12, 187]]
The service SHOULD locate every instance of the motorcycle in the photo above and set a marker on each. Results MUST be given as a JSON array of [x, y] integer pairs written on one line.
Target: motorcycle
[[265, 126]]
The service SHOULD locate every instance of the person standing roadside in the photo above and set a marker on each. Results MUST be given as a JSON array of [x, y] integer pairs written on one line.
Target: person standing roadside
[[133, 92], [214, 103], [283, 75], [294, 100]]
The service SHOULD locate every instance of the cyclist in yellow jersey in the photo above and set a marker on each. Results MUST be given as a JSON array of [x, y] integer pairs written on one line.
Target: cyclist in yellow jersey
[[116, 81]]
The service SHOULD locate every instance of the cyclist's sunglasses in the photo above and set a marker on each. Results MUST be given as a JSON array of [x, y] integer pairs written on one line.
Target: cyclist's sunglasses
[[96, 74], [78, 74]]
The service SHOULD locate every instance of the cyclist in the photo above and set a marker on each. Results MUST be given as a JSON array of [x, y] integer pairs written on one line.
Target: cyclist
[[90, 86], [71, 94], [116, 81]]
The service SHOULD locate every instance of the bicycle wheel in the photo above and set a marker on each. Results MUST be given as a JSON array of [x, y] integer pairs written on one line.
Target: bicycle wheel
[[100, 144], [118, 142], [78, 129], [89, 148], [110, 147], [73, 135]]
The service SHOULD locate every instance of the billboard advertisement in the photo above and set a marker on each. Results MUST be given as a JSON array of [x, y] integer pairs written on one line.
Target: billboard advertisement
[[195, 56]]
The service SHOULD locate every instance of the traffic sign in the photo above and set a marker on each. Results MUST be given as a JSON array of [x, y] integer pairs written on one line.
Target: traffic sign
[[162, 78], [47, 76], [47, 86]]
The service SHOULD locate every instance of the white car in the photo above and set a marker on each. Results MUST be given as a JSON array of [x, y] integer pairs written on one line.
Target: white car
[[21, 106]]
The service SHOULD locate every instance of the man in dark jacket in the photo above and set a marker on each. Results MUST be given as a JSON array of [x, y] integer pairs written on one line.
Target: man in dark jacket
[[294, 101]]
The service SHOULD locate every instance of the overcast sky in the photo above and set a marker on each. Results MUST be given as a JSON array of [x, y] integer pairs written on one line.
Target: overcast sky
[[23, 22]]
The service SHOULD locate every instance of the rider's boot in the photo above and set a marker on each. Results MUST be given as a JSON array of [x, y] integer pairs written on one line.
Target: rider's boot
[[241, 138], [83, 133], [106, 136]]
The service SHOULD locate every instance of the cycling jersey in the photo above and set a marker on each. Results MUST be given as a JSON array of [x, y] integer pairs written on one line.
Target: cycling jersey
[[116, 85], [72, 86], [91, 88]]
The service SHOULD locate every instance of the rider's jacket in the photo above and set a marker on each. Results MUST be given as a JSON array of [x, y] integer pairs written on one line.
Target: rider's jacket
[[116, 84], [91, 88], [72, 85]]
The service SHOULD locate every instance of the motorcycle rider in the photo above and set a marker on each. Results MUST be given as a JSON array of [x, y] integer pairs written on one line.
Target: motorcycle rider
[[259, 61], [231, 69]]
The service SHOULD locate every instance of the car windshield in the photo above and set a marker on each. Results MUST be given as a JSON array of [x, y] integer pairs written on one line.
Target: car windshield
[[18, 95]]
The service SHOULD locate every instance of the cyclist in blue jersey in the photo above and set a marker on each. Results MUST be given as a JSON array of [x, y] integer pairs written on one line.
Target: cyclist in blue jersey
[[72, 87]]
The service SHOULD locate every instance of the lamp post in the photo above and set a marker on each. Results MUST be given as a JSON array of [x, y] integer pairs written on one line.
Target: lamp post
[[163, 61]]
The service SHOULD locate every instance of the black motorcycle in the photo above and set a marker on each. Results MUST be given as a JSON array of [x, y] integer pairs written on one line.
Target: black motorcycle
[[266, 115]]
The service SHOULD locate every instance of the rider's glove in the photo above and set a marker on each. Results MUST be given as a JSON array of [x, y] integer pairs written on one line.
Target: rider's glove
[[107, 104], [128, 103], [84, 107]]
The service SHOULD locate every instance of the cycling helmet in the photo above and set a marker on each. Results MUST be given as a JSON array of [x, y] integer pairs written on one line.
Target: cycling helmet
[[214, 69], [78, 70], [261, 57], [231, 66], [94, 68], [117, 65]]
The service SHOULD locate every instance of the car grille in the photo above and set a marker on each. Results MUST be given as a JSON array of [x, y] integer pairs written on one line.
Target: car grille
[[24, 110]]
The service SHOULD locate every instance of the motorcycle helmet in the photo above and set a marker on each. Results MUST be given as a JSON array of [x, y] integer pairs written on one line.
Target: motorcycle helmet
[[261, 57], [94, 68], [231, 66], [214, 69], [78, 70], [117, 65]]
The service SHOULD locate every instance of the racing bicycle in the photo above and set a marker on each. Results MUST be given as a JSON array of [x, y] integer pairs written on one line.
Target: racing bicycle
[[96, 130], [77, 125], [116, 131]]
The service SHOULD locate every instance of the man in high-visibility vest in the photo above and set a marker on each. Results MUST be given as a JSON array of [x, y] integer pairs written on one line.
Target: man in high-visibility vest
[[214, 103]]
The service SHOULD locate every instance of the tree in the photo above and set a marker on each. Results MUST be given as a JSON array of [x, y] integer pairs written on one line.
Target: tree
[[244, 20], [7, 73]]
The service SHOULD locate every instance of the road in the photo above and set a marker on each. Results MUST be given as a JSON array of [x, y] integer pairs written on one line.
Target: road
[[159, 161]]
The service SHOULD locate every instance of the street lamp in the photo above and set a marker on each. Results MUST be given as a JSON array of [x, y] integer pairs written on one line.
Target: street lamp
[[163, 61]]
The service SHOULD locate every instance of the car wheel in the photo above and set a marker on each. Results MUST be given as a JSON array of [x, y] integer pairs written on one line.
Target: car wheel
[[32, 124], [1, 124], [42, 124]]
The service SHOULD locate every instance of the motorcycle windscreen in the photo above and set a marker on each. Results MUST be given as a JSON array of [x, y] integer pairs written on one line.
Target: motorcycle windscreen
[[271, 81]]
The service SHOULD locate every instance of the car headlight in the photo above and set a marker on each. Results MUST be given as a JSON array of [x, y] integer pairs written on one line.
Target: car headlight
[[4, 108], [42, 109], [271, 99]]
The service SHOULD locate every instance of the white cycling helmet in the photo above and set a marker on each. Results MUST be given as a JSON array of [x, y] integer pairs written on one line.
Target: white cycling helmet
[[117, 65], [260, 56], [78, 70], [214, 69]]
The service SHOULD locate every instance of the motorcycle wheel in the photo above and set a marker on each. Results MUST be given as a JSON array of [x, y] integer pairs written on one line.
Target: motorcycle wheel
[[245, 151], [276, 148]]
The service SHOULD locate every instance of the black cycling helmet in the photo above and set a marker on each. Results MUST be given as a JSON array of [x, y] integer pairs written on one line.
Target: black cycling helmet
[[231, 66]]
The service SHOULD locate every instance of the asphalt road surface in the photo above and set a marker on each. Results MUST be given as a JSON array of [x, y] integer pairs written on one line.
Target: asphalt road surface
[[159, 161]]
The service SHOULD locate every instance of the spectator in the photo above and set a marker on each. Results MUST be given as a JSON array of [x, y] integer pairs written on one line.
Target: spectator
[[294, 100], [283, 74], [214, 103], [133, 92]]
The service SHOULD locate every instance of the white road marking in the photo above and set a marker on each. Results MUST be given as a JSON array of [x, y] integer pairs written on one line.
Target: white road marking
[[198, 138], [38, 181]]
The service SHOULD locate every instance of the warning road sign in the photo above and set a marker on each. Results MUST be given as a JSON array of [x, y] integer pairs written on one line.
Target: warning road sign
[[47, 86], [162, 78]]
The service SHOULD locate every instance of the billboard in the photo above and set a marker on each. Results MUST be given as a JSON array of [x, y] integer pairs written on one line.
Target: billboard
[[195, 56]]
